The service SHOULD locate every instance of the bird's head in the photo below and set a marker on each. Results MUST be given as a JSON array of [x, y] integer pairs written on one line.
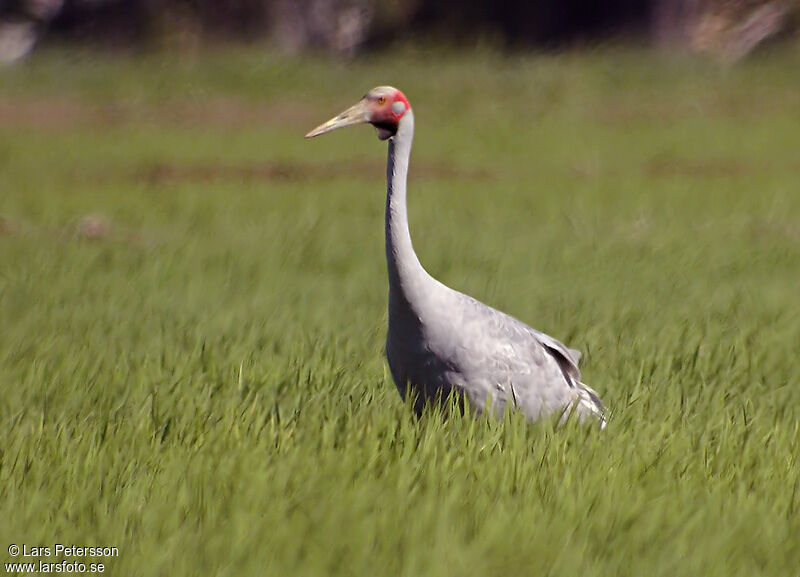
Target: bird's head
[[382, 107]]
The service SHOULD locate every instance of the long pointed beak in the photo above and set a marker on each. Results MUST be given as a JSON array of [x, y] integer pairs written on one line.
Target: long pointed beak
[[354, 115]]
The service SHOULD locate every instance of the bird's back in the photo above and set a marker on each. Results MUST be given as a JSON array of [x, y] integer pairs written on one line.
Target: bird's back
[[456, 342]]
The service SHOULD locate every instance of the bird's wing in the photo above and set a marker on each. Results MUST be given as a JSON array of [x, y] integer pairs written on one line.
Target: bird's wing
[[504, 325], [505, 358]]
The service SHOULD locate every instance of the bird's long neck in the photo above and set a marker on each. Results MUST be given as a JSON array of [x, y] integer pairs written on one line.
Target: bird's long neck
[[407, 278]]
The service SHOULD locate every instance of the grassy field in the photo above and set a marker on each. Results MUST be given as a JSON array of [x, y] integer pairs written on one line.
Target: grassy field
[[192, 314]]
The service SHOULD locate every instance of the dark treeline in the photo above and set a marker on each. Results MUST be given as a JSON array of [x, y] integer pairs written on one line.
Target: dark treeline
[[348, 26]]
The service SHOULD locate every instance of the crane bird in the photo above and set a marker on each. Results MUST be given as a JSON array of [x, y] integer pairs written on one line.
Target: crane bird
[[441, 341]]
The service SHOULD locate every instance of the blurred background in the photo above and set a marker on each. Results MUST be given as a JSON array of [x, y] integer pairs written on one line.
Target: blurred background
[[726, 29]]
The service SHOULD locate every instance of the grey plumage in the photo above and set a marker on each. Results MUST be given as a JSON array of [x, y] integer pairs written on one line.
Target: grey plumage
[[441, 341]]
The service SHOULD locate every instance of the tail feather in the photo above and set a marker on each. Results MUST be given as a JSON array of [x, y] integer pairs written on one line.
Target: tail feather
[[589, 398], [587, 403]]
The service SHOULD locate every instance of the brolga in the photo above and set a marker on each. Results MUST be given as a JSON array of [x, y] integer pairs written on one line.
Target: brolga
[[441, 341]]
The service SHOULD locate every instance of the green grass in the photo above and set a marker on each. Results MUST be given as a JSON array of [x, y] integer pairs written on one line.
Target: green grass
[[201, 381]]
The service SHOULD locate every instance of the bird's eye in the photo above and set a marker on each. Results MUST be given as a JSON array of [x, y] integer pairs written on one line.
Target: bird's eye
[[381, 101]]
